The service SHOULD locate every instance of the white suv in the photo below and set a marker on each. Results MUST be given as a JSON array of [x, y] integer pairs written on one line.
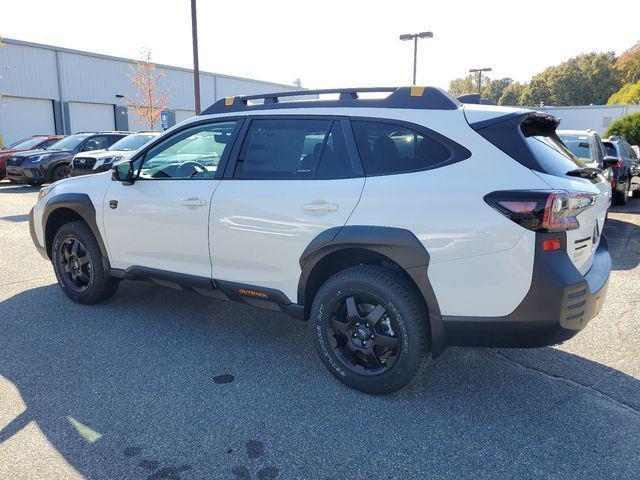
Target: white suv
[[397, 225]]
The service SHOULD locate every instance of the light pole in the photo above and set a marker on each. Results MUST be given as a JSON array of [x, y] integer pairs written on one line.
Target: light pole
[[415, 37], [196, 66], [479, 72]]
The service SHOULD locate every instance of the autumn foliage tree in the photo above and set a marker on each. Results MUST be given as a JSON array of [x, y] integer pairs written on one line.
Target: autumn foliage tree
[[150, 97]]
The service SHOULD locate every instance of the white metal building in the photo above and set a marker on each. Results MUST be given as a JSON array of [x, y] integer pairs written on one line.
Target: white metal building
[[594, 117], [48, 90]]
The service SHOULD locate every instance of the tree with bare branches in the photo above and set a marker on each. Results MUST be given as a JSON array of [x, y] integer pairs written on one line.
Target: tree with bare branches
[[150, 97]]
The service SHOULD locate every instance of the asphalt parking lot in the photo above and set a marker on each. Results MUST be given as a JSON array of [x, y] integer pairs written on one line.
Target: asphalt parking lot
[[161, 384]]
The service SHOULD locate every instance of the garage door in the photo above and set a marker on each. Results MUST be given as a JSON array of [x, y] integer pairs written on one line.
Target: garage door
[[22, 117], [184, 114], [90, 117]]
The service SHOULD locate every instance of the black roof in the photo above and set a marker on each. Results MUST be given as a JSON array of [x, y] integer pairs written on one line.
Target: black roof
[[430, 98]]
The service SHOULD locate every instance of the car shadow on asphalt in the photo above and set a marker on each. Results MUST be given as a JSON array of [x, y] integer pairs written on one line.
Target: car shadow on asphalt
[[8, 187], [143, 373], [623, 238]]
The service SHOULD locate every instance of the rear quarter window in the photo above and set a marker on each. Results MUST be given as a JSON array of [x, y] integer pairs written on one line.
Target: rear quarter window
[[388, 148]]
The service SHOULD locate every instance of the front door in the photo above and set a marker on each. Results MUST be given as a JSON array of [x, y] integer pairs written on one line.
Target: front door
[[161, 221], [293, 179]]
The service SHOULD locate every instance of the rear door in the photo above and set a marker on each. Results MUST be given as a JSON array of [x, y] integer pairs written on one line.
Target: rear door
[[293, 177]]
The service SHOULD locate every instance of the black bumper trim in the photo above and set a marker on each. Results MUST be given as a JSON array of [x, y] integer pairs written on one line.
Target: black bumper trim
[[559, 304], [32, 231]]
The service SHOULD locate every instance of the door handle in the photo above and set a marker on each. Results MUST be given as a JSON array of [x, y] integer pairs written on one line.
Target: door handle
[[320, 207], [193, 202]]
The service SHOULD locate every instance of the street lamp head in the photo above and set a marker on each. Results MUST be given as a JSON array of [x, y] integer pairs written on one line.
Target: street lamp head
[[425, 34], [476, 70], [406, 36]]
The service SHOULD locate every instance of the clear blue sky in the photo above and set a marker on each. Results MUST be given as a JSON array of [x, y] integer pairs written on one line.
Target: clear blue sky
[[335, 43]]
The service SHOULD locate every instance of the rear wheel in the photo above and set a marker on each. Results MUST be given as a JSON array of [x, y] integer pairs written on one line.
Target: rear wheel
[[370, 329], [79, 267], [60, 172], [620, 198], [636, 193]]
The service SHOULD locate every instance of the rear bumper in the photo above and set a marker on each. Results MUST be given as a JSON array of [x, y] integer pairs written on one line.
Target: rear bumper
[[559, 304]]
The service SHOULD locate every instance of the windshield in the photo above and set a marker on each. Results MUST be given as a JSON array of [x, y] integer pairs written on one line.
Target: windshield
[[25, 143], [553, 155], [68, 143], [578, 145], [131, 142]]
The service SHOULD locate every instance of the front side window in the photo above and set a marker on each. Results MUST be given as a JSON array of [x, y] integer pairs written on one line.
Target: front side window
[[388, 148], [193, 153], [294, 149]]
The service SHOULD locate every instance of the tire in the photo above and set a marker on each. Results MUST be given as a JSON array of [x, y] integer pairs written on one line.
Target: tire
[[79, 267], [636, 193], [34, 184], [400, 337], [59, 172], [621, 198]]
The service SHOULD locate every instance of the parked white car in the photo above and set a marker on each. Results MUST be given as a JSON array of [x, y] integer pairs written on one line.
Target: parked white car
[[86, 163], [396, 225]]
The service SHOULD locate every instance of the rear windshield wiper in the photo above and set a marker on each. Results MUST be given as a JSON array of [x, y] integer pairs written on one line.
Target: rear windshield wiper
[[585, 172]]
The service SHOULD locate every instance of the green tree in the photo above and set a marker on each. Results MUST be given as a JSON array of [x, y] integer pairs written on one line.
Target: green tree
[[627, 127], [582, 80], [464, 85], [629, 93], [491, 89], [512, 94], [628, 65], [494, 90]]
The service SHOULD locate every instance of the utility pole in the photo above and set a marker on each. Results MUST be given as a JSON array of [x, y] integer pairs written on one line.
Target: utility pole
[[196, 66], [414, 37], [479, 72]]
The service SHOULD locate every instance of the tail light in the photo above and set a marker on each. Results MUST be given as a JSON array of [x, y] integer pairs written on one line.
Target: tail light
[[541, 210]]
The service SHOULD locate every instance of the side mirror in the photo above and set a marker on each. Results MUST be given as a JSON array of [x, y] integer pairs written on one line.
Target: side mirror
[[611, 162], [123, 172]]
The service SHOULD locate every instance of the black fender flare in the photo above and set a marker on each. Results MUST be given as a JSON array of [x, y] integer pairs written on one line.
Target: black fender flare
[[397, 244], [81, 204]]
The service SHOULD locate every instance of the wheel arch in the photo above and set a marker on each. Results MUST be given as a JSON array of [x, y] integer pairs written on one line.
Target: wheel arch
[[69, 207], [342, 247]]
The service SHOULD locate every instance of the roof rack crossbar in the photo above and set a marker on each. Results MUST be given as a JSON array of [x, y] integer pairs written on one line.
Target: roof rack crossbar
[[402, 97]]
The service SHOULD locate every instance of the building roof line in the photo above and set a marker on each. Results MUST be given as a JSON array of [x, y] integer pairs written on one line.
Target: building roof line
[[25, 43]]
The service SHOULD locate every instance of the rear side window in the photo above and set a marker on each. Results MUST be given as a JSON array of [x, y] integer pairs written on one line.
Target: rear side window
[[388, 148], [610, 149], [294, 149]]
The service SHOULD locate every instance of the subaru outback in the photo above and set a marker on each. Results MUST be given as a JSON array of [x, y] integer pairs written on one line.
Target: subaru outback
[[395, 225]]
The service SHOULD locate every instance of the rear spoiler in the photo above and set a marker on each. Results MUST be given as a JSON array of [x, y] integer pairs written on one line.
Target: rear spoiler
[[507, 132]]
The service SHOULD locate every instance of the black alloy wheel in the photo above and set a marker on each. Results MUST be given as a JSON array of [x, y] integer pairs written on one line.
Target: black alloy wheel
[[60, 172], [364, 334], [75, 263]]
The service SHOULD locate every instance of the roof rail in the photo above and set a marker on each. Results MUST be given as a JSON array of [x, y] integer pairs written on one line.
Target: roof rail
[[429, 98], [102, 131]]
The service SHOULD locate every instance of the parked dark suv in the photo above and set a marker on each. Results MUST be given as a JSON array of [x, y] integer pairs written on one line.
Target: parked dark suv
[[626, 169], [36, 142], [36, 167]]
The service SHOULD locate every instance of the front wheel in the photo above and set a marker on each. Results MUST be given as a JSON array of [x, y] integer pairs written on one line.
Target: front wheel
[[370, 329], [78, 264], [60, 172]]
